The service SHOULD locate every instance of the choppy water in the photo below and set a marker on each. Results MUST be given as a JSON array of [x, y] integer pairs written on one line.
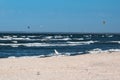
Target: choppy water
[[44, 44]]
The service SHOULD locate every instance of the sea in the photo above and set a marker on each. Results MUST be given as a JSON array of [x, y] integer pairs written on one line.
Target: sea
[[41, 45]]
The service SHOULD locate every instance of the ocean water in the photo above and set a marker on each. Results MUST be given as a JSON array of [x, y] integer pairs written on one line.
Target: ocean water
[[46, 44]]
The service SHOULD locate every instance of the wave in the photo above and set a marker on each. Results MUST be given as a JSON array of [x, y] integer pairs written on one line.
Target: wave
[[48, 37], [115, 42], [15, 42], [61, 54], [80, 39], [31, 36], [33, 39], [6, 38], [44, 44], [97, 50], [14, 38], [82, 42], [110, 36], [87, 36], [39, 56], [60, 36], [107, 35], [62, 39]]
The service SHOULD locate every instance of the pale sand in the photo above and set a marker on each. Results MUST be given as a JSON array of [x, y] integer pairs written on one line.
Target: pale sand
[[104, 66]]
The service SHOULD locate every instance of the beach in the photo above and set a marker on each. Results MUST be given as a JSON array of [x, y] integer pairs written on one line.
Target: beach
[[103, 66]]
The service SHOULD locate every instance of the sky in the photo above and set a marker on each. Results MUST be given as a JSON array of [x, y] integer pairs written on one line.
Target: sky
[[60, 15]]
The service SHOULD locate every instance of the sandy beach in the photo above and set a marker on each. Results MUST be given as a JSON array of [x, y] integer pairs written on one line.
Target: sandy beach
[[104, 66]]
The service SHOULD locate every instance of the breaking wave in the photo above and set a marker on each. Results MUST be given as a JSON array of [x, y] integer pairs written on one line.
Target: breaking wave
[[97, 50], [43, 45]]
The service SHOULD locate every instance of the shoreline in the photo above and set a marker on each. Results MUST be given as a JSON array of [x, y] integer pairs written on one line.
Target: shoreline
[[94, 51], [103, 66]]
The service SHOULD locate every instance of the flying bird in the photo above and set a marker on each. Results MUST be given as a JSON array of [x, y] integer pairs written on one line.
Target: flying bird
[[28, 27], [104, 22]]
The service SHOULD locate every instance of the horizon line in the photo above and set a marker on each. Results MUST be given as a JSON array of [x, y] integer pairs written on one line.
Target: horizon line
[[27, 32]]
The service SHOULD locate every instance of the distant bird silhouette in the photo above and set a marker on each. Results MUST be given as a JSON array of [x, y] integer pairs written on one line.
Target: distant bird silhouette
[[28, 27], [104, 22]]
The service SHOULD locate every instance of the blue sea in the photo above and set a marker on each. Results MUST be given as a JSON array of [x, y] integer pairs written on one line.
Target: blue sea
[[66, 44]]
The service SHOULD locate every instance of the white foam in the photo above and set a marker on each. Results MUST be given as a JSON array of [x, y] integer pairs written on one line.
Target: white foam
[[109, 36], [27, 44], [67, 54], [97, 50], [43, 44], [78, 38], [20, 38], [72, 53], [82, 42], [71, 35], [12, 57], [6, 38], [49, 55], [24, 57], [48, 37], [114, 50], [15, 42], [64, 39], [14, 36], [115, 42], [35, 44], [32, 36], [58, 37], [87, 36]]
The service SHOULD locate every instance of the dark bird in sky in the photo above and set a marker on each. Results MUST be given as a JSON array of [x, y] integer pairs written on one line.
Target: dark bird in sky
[[28, 27], [104, 22]]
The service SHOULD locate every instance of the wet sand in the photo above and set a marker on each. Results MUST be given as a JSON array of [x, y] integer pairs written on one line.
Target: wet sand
[[103, 66]]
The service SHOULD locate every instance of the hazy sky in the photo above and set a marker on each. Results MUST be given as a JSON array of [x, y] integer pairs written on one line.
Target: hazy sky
[[60, 15]]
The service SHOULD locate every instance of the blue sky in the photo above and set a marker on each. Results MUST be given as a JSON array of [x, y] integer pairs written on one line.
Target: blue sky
[[60, 15]]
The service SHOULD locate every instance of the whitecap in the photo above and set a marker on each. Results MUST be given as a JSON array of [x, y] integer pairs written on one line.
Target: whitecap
[[114, 50], [87, 36], [20, 38], [58, 36], [48, 37], [15, 42], [32, 36], [64, 39], [78, 38], [46, 44], [115, 42], [82, 42], [6, 38], [97, 50], [14, 36], [110, 36]]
